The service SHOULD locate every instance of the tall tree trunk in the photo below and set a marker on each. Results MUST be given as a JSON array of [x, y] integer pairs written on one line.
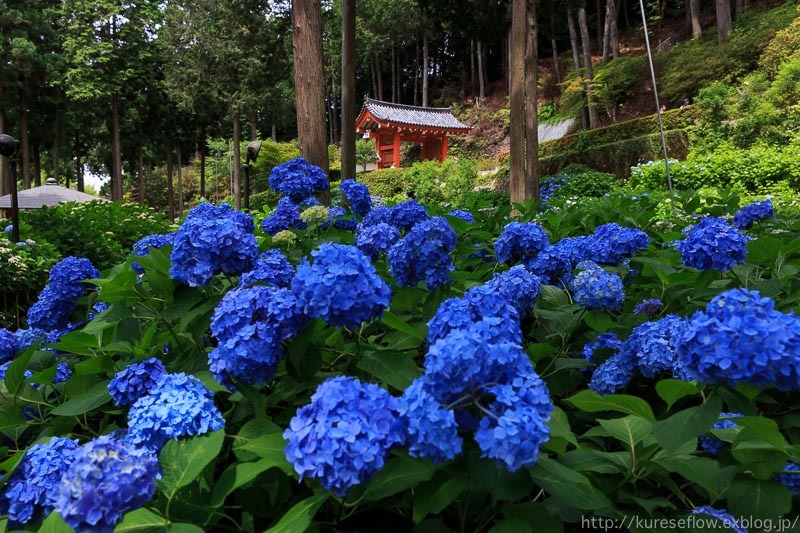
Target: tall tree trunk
[[329, 113], [140, 171], [425, 66], [599, 10], [335, 112], [274, 133], [519, 186], [415, 98], [116, 151], [532, 104], [237, 159], [576, 58], [203, 152], [473, 82], [170, 188], [556, 66], [56, 143], [180, 184], [587, 67], [78, 163], [37, 164], [724, 21], [394, 75], [4, 187], [26, 146], [614, 28], [379, 73], [348, 89], [694, 13], [309, 81], [251, 118], [740, 8], [481, 72], [373, 78]]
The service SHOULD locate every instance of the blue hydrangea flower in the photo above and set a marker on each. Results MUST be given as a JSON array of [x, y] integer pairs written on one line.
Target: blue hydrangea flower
[[135, 381], [178, 406], [649, 307], [518, 286], [4, 369], [424, 254], [60, 296], [463, 214], [272, 268], [344, 435], [712, 444], [740, 337], [30, 336], [378, 215], [63, 373], [652, 346], [340, 219], [611, 243], [604, 341], [594, 288], [432, 430], [8, 345], [550, 264], [722, 515], [30, 489], [286, 216], [106, 479], [479, 304], [250, 325], [712, 245], [750, 214], [340, 287], [357, 196], [210, 240], [298, 179], [519, 241], [407, 214], [377, 239], [143, 245], [578, 249], [790, 478], [613, 375]]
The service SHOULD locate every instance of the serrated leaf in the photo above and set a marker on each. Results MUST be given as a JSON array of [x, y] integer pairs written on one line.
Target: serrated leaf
[[395, 322], [591, 402], [672, 390], [299, 517], [569, 487], [183, 460], [433, 496], [765, 499], [142, 520], [236, 476], [53, 524], [687, 425], [398, 474], [86, 402], [630, 430], [396, 369]]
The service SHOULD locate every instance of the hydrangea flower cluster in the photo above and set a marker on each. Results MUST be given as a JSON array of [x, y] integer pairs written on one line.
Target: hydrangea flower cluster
[[518, 286], [377, 239], [272, 268], [178, 406], [340, 287], [63, 373], [379, 214], [604, 341], [614, 374], [790, 478], [60, 296], [30, 490], [135, 381], [551, 263], [463, 214], [212, 239], [8, 345], [431, 428], [649, 307], [106, 479], [407, 214], [285, 216], [611, 243], [315, 215], [298, 179], [424, 254], [712, 444], [722, 515], [340, 219], [250, 325], [142, 247], [519, 241], [357, 196], [712, 245], [594, 288], [750, 214], [479, 304], [741, 337], [344, 435]]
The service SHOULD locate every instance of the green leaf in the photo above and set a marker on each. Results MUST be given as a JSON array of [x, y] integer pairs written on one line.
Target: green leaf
[[236, 476], [142, 520], [567, 486], [631, 429], [599, 321], [435, 495], [264, 439], [687, 425], [591, 402], [15, 374], [183, 460], [703, 471], [763, 428], [398, 474], [184, 527], [83, 403], [396, 369], [672, 390], [395, 322], [54, 524], [759, 498], [299, 517]]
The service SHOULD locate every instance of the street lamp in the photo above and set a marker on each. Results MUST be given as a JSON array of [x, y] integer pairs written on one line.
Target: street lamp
[[9, 147], [252, 154]]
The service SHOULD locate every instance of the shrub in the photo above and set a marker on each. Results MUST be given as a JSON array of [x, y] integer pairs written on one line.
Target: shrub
[[433, 183], [785, 46], [385, 182], [24, 274]]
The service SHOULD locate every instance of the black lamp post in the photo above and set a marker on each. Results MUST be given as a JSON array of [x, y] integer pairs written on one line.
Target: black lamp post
[[252, 154], [9, 147]]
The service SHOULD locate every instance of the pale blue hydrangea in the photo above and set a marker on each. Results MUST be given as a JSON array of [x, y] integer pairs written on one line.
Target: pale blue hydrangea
[[424, 254], [611, 243], [285, 217], [594, 288], [431, 428], [58, 299], [520, 241], [377, 239], [479, 304], [298, 179], [518, 286], [712, 245], [271, 268], [135, 381], [357, 196]]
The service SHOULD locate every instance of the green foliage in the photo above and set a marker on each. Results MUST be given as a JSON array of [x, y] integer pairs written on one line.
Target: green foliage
[[785, 46], [614, 81], [263, 200], [366, 152], [714, 101], [103, 232], [24, 274], [385, 182], [579, 182], [435, 183]]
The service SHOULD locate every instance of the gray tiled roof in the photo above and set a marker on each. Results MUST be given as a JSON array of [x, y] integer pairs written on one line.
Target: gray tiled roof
[[436, 117], [46, 195]]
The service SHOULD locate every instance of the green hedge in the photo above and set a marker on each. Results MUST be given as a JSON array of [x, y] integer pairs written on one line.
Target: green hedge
[[385, 182]]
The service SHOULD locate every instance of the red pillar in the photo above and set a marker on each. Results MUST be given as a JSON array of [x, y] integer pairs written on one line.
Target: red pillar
[[396, 153], [444, 148]]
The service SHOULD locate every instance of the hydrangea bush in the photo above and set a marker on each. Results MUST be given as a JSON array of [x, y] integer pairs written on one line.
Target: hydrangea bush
[[416, 367]]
